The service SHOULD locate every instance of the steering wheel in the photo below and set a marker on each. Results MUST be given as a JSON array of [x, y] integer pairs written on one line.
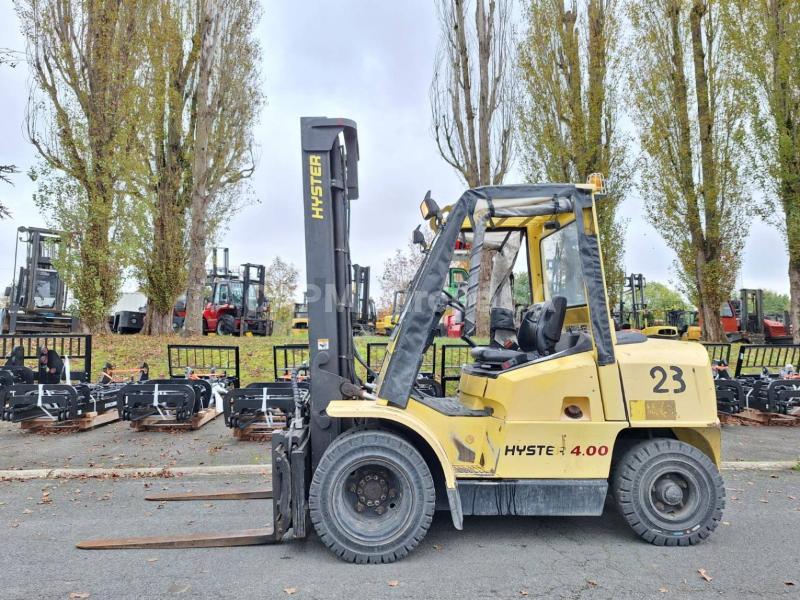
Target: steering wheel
[[456, 304]]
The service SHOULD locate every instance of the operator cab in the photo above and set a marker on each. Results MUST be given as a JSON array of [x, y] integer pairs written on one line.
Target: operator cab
[[543, 233]]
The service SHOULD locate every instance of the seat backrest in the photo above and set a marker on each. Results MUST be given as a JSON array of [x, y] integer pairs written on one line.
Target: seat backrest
[[541, 326]]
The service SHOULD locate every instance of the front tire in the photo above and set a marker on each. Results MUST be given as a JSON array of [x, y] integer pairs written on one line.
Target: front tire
[[226, 325], [669, 492], [372, 497]]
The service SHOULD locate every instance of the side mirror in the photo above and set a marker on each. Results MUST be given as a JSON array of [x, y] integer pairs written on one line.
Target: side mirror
[[419, 239], [429, 209]]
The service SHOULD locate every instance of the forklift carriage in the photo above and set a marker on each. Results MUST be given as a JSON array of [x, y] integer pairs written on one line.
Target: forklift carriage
[[535, 423]]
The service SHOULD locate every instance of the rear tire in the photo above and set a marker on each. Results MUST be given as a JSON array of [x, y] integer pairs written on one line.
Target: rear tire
[[669, 492], [226, 325], [372, 497]]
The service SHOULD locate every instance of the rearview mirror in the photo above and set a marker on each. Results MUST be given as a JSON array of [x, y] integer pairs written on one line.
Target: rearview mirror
[[428, 208], [419, 239]]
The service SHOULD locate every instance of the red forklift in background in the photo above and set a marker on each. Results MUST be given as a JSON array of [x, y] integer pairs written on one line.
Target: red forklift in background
[[235, 302]]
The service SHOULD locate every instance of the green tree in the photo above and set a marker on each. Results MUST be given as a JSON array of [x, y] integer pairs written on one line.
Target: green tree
[[165, 86], [776, 303], [661, 298], [686, 103], [765, 36], [84, 55], [569, 107], [522, 288]]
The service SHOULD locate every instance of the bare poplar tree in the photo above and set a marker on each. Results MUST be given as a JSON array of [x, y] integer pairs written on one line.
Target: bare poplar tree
[[227, 102], [7, 57], [83, 55], [472, 102], [690, 118]]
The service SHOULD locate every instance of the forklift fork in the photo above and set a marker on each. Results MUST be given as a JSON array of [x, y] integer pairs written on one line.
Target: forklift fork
[[291, 464]]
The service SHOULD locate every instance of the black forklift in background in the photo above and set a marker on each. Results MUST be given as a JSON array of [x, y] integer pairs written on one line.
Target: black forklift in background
[[364, 314], [37, 297]]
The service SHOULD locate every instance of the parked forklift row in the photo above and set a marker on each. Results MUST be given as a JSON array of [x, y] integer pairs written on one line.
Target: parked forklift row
[[742, 319]]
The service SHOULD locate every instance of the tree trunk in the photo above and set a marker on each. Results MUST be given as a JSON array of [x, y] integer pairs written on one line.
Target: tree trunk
[[794, 306], [157, 322], [193, 324], [709, 302], [484, 287]]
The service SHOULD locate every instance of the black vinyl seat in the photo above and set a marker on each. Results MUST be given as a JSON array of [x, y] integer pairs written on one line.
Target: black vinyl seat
[[538, 335]]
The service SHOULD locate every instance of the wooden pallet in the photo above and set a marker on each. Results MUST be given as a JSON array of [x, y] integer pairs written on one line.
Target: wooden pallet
[[161, 424], [259, 432], [88, 421], [757, 418]]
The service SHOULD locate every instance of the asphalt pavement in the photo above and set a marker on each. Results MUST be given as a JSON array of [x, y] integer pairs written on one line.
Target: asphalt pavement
[[754, 553]]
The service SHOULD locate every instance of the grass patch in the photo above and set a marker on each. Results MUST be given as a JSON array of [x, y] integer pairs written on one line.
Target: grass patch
[[255, 353]]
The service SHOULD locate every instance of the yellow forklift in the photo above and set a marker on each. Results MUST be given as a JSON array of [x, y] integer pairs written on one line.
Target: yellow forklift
[[550, 424], [300, 317]]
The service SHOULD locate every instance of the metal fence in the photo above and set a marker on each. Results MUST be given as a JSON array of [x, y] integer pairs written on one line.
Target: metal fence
[[202, 359], [453, 357], [288, 357], [754, 357], [77, 347], [718, 352]]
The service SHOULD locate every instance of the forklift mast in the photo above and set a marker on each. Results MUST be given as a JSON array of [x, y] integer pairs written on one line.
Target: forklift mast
[[220, 270], [361, 302], [635, 284], [751, 311], [253, 277], [330, 182]]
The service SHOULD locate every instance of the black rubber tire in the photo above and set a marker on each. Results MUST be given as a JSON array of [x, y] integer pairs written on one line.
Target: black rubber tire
[[354, 536], [226, 325], [634, 484]]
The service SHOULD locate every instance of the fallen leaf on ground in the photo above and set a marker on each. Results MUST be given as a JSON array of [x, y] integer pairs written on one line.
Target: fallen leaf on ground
[[437, 546], [78, 595], [591, 582], [152, 560], [726, 522], [523, 592], [290, 591], [393, 583], [663, 590], [789, 583], [704, 575]]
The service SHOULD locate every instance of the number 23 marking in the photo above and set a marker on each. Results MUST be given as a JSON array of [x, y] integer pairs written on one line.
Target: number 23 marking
[[660, 374]]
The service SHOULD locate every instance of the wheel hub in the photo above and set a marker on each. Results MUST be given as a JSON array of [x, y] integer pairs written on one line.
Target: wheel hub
[[374, 490], [669, 492]]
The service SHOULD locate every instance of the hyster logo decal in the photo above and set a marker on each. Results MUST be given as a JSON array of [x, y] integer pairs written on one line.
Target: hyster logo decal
[[315, 183], [530, 450]]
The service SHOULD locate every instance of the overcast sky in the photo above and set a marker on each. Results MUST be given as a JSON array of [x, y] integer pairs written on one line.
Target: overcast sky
[[368, 61]]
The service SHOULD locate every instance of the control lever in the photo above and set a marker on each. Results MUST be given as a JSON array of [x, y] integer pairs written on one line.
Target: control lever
[[351, 390]]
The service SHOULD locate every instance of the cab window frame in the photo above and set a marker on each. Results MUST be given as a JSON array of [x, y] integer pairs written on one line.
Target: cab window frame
[[543, 266]]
